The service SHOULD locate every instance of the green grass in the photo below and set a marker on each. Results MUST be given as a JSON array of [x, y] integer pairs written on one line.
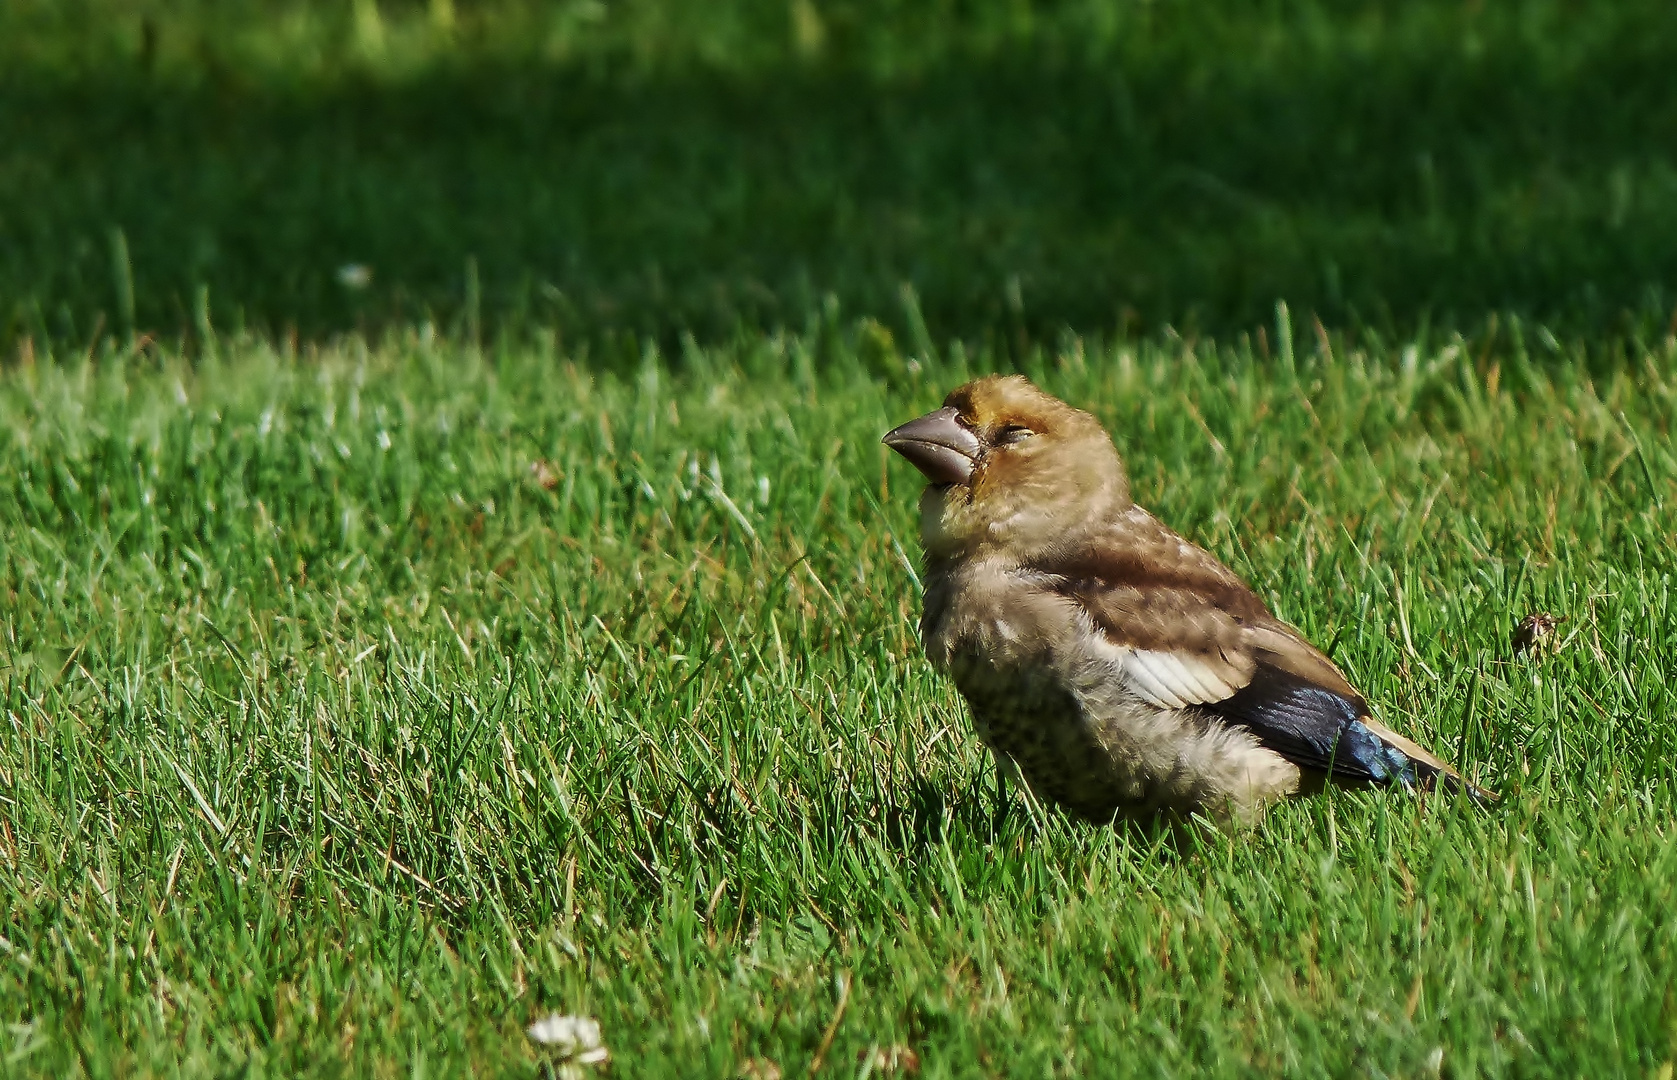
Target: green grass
[[532, 628], [660, 166], [339, 741]]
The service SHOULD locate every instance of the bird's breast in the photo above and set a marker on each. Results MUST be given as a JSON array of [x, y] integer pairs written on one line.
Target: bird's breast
[[988, 616], [1006, 642], [1047, 689]]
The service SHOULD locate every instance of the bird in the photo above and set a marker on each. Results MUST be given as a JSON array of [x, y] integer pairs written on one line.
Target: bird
[[1115, 667]]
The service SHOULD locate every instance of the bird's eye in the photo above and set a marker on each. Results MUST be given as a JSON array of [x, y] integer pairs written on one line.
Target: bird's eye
[[1013, 433]]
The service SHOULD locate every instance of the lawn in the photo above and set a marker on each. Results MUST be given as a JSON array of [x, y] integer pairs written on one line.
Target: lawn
[[525, 622], [365, 704], [657, 166]]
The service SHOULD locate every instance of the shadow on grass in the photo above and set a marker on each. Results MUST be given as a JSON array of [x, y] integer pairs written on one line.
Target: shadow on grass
[[1383, 164]]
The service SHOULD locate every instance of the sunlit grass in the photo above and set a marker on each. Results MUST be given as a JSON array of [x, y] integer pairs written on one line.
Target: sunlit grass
[[364, 706]]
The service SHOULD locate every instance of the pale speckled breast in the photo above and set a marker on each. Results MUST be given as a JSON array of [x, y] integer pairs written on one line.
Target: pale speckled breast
[[1001, 653], [1030, 716]]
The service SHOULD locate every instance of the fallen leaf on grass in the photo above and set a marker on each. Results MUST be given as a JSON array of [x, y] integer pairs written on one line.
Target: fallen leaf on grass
[[1536, 631]]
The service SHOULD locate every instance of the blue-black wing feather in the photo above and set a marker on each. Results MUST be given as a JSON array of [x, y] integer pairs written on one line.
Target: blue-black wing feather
[[1148, 589], [1314, 728]]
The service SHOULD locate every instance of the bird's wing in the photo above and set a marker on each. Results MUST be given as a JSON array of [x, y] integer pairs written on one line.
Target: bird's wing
[[1189, 633]]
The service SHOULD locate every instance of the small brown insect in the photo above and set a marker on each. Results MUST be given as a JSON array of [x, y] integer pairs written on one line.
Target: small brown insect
[[1536, 630]]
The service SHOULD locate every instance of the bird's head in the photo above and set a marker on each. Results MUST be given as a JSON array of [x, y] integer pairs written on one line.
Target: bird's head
[[1011, 468]]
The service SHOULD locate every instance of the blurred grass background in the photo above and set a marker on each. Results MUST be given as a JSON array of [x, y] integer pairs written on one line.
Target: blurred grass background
[[657, 167]]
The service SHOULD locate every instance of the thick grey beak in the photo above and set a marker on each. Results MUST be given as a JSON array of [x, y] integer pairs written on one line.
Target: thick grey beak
[[938, 446]]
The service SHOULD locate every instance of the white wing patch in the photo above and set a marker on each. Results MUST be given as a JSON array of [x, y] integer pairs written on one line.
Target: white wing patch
[[1172, 680]]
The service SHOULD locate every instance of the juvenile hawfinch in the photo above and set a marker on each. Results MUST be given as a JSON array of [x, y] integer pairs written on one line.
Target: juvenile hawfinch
[[1120, 669]]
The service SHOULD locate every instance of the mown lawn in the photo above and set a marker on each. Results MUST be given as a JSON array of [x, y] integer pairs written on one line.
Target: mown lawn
[[449, 573], [663, 165], [363, 704]]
